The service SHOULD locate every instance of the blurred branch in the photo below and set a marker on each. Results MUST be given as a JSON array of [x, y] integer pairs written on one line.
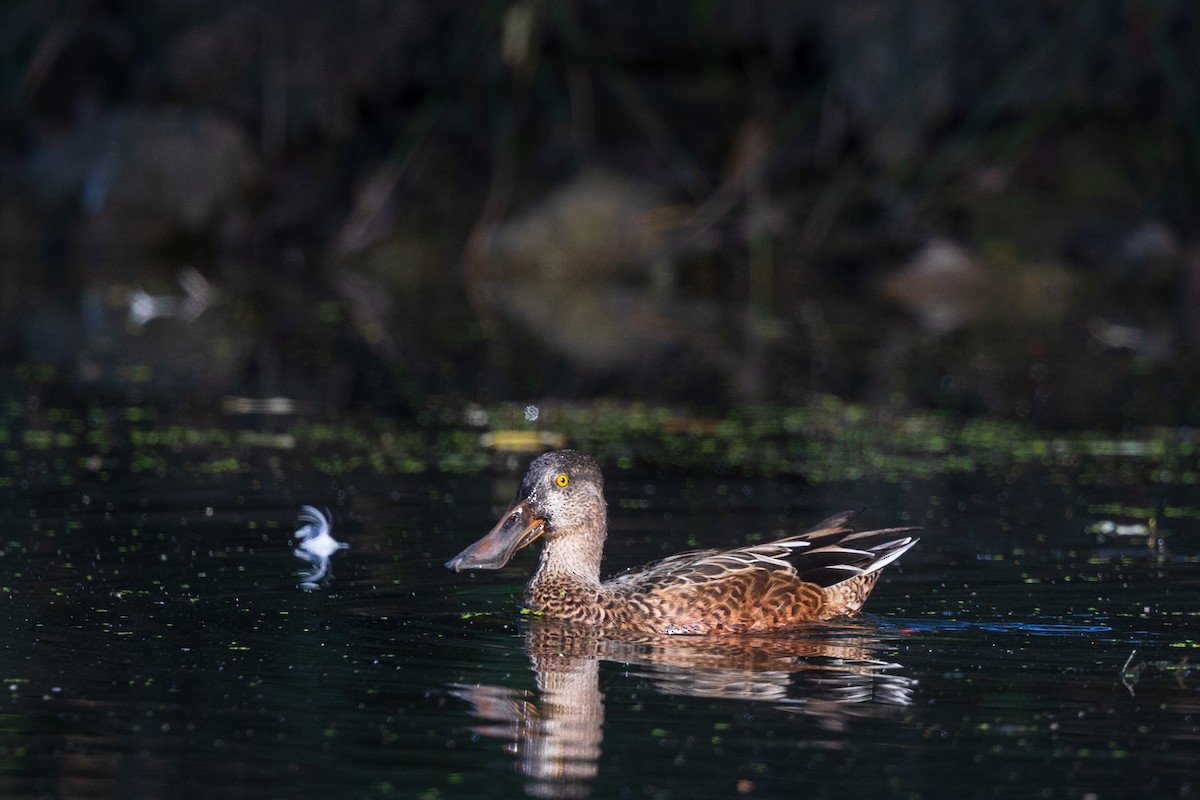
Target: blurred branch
[[364, 223], [1181, 90], [52, 46], [1022, 75], [644, 116], [825, 211]]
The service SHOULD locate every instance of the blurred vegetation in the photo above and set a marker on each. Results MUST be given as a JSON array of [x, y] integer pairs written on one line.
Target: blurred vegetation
[[59, 447], [973, 207]]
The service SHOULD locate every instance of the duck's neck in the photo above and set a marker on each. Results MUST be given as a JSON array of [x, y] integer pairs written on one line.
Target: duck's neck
[[573, 554]]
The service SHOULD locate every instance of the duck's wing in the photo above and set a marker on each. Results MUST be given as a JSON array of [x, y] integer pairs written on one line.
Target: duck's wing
[[827, 558], [657, 571], [825, 555]]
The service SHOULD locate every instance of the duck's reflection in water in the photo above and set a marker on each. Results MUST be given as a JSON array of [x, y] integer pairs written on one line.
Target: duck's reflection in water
[[556, 733]]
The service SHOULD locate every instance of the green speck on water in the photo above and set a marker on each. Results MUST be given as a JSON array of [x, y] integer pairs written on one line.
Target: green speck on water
[[137, 414], [147, 462], [1120, 510], [227, 465], [137, 373], [35, 373], [38, 440], [1180, 512], [329, 312]]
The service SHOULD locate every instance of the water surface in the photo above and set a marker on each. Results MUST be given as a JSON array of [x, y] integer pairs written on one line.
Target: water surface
[[159, 644]]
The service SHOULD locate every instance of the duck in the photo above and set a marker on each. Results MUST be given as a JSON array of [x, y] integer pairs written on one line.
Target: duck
[[816, 576]]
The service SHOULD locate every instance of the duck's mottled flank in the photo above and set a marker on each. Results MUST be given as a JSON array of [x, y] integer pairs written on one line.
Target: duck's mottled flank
[[823, 573]]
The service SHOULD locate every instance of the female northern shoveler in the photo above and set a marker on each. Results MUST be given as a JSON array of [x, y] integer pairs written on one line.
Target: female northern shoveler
[[826, 572]]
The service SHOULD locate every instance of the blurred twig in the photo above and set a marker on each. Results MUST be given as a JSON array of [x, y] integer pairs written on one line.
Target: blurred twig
[[652, 124], [364, 223], [1131, 673], [52, 45]]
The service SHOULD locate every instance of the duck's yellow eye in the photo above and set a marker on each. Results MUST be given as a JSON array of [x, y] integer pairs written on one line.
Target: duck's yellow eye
[[561, 480]]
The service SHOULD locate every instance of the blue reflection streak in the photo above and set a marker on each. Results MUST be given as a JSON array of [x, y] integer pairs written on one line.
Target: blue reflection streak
[[1034, 628]]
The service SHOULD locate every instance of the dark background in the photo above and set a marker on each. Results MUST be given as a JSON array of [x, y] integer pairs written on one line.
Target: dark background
[[985, 206]]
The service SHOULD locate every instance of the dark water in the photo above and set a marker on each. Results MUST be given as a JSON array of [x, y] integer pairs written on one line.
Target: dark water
[[157, 644]]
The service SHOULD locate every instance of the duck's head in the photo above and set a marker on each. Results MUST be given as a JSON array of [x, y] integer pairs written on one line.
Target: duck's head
[[562, 495]]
